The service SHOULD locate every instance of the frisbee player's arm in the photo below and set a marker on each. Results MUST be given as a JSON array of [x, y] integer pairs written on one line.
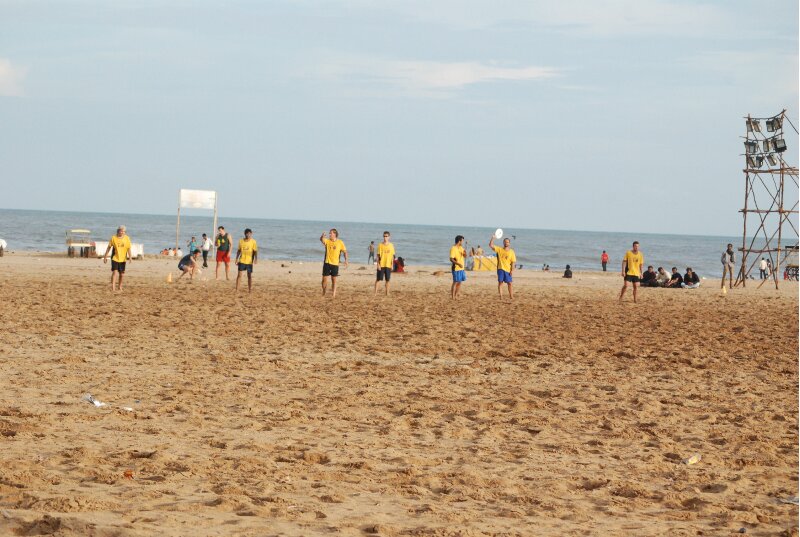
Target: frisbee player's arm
[[238, 254], [322, 238], [491, 242], [255, 256], [346, 259], [105, 257], [624, 265], [454, 262]]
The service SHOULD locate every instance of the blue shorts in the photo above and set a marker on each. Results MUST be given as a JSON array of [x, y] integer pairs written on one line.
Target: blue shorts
[[459, 276], [246, 267], [503, 276]]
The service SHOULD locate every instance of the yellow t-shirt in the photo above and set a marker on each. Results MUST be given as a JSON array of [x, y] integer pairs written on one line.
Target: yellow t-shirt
[[333, 250], [120, 247], [247, 249], [633, 261], [505, 258], [386, 255], [457, 253]]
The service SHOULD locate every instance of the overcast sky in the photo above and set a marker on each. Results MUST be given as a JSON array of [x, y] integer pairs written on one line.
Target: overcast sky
[[619, 115]]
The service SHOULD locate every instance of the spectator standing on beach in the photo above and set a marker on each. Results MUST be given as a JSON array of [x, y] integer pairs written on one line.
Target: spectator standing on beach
[[334, 248], [632, 265], [246, 257], [385, 262], [728, 264], [769, 268], [506, 258], [371, 257], [676, 280], [188, 264], [457, 257], [206, 247], [604, 260], [192, 244], [223, 242], [121, 246], [762, 267], [690, 280]]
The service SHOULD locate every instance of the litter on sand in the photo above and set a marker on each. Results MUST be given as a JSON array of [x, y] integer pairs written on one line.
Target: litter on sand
[[89, 398], [794, 500], [694, 459]]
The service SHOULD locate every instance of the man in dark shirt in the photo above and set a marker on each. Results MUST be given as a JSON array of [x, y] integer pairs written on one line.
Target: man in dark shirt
[[649, 278], [568, 272], [691, 280], [676, 280]]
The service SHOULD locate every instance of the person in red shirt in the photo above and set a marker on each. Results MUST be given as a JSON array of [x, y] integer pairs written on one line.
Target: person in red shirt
[[604, 260]]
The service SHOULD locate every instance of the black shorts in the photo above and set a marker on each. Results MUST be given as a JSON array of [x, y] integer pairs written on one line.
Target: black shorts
[[633, 279], [246, 267], [117, 266], [330, 270], [384, 272]]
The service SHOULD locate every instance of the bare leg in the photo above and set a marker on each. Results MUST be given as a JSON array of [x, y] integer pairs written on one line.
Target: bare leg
[[510, 293], [333, 286], [324, 285], [624, 288], [216, 272], [500, 289], [376, 287], [387, 287], [635, 287], [113, 275], [453, 290], [249, 283], [458, 289], [182, 274], [238, 277], [227, 270], [119, 281]]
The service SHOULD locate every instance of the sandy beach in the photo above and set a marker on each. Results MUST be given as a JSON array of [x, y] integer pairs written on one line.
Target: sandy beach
[[283, 413]]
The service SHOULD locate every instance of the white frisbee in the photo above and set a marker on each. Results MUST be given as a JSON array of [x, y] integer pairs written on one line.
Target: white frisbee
[[498, 234]]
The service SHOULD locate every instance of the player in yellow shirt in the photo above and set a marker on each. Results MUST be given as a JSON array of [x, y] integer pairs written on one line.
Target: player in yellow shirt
[[246, 257], [506, 258], [334, 248], [457, 256], [632, 265], [121, 245], [385, 262]]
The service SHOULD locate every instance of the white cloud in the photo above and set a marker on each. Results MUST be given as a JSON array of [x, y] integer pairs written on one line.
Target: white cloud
[[11, 78], [428, 78], [575, 17]]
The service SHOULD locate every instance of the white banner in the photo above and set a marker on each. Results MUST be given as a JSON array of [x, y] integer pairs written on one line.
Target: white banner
[[198, 199]]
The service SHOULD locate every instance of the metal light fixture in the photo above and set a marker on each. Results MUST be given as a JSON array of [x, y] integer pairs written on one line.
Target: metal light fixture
[[759, 162], [751, 146], [751, 162], [772, 160], [774, 124], [780, 145], [767, 145]]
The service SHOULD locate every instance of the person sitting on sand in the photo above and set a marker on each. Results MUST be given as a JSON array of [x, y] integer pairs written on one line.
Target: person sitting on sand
[[567, 272], [171, 252], [399, 265], [662, 277], [457, 255], [188, 264], [178, 253], [675, 280], [691, 280], [649, 277]]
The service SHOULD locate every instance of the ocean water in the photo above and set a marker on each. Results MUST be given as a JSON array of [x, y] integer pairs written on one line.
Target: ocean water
[[417, 244]]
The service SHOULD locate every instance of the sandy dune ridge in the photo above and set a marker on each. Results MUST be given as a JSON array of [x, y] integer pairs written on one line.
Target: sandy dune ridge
[[283, 413]]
